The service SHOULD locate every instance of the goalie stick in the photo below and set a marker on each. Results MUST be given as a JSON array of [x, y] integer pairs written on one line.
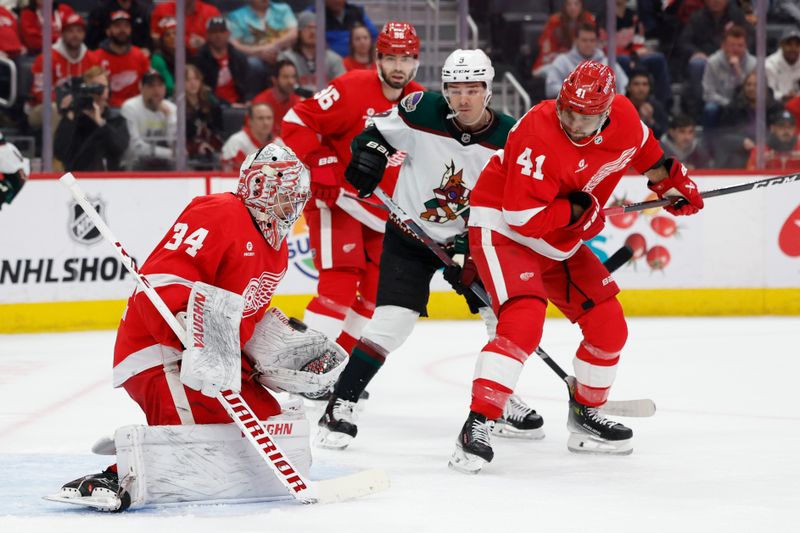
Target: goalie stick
[[236, 407], [635, 408], [758, 184]]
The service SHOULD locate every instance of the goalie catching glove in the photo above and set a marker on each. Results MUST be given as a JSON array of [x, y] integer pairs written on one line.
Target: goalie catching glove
[[678, 185], [292, 358], [367, 165]]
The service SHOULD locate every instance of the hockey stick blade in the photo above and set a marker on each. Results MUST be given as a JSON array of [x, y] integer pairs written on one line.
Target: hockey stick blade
[[352, 486], [630, 408]]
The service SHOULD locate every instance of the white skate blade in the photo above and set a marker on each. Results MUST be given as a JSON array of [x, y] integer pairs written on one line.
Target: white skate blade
[[332, 440], [502, 429], [585, 443], [464, 462], [105, 501], [353, 486]]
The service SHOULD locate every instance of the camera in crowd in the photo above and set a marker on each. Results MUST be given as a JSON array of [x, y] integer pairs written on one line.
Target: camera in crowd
[[82, 94]]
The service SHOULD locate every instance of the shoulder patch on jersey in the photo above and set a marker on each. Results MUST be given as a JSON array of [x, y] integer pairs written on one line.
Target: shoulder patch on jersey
[[410, 102]]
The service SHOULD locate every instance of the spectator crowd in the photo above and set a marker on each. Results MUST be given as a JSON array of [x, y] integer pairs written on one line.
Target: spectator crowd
[[687, 65], [114, 75]]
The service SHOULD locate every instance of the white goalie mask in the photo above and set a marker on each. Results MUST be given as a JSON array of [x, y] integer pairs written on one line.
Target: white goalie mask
[[468, 66], [275, 186]]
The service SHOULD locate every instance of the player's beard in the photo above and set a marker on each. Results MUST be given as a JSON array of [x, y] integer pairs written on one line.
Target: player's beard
[[394, 84]]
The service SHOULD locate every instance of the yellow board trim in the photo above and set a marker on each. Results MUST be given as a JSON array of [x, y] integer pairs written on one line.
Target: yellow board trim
[[76, 316]]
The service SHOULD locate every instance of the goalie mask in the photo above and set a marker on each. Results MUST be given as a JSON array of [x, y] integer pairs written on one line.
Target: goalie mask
[[274, 185], [464, 66]]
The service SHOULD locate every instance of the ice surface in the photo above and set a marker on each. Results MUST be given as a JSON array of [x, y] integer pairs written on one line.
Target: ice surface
[[721, 454]]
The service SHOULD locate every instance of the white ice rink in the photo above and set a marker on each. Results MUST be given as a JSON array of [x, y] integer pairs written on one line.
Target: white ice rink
[[721, 453]]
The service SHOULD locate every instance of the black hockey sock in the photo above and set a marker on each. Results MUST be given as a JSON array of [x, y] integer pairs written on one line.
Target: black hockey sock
[[365, 361]]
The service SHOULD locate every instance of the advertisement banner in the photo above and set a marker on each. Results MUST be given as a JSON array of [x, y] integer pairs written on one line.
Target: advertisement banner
[[742, 248], [50, 251]]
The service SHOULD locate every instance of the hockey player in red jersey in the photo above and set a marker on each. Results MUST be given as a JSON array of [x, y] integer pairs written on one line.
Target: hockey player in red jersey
[[234, 242], [535, 203], [346, 234]]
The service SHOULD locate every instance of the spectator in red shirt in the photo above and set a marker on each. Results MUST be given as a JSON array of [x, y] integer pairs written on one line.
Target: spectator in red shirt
[[783, 145], [198, 13], [125, 63], [10, 45], [71, 58], [560, 31], [224, 67], [30, 24], [281, 96], [362, 53]]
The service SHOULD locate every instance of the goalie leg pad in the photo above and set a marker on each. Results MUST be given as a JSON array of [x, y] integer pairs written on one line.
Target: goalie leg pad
[[206, 463]]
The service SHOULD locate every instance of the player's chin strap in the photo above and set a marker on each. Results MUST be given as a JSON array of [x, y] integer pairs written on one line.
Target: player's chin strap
[[644, 407], [592, 136]]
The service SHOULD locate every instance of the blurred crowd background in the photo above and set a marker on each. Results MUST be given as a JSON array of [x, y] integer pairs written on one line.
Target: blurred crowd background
[[718, 81]]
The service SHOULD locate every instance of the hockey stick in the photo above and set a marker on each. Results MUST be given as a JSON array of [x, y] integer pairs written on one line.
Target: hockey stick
[[236, 407], [759, 184], [643, 407]]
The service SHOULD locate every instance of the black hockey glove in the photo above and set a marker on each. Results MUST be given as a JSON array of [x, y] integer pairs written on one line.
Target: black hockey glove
[[10, 185], [366, 166], [461, 275]]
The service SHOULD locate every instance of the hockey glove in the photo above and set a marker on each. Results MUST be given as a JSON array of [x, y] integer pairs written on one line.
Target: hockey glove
[[324, 182], [591, 220], [10, 185], [678, 184], [464, 272], [366, 166]]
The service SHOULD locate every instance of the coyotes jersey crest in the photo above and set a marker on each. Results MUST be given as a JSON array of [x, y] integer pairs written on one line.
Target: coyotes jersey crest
[[451, 198]]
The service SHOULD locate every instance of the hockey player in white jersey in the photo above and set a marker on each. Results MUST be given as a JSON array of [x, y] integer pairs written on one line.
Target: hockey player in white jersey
[[446, 140]]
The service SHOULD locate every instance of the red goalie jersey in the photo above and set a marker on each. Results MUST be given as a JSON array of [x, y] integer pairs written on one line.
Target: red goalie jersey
[[522, 191], [214, 240], [324, 126]]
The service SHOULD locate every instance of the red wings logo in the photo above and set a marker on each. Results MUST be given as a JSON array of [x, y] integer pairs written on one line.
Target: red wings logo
[[259, 291]]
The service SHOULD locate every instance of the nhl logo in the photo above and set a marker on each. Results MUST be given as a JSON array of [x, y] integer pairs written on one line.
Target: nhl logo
[[81, 228], [465, 138], [598, 139]]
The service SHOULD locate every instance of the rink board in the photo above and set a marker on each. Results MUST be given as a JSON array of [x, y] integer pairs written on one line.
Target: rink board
[[740, 256]]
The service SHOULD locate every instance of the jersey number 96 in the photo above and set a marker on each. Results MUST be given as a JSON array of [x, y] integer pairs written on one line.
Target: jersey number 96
[[326, 97]]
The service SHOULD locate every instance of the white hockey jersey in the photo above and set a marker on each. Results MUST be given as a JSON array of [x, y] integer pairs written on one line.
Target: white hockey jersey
[[442, 163]]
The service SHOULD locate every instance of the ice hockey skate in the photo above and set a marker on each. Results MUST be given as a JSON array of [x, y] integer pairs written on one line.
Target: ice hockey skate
[[474, 445], [519, 421], [337, 427], [591, 432], [100, 491]]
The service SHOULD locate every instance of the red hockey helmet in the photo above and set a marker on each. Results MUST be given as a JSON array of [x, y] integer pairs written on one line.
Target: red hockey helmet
[[398, 38], [589, 89]]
